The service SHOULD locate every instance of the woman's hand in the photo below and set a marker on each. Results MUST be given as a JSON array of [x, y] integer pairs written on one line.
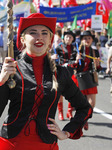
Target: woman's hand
[[54, 129], [78, 57], [97, 61], [107, 70], [54, 56], [8, 68]]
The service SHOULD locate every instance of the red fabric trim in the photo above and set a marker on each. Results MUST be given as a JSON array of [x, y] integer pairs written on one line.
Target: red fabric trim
[[75, 80], [89, 113], [21, 99], [78, 133]]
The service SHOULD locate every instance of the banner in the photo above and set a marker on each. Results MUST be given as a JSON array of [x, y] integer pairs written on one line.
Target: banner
[[97, 24], [68, 14], [20, 10], [3, 15], [22, 7]]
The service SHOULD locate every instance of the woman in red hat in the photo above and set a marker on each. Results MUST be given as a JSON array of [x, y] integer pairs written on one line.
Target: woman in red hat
[[30, 124], [67, 55], [85, 70]]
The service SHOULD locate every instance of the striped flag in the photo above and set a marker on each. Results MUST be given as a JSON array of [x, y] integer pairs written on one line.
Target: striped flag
[[37, 4]]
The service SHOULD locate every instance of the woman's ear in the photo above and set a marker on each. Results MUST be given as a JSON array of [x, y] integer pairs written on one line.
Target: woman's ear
[[22, 40]]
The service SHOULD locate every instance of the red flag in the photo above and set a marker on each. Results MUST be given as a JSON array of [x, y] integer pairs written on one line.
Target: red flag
[[71, 3], [50, 3], [83, 24], [61, 24], [89, 2], [101, 11], [88, 23]]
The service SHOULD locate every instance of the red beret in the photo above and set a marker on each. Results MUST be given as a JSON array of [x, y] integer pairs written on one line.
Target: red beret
[[35, 19]]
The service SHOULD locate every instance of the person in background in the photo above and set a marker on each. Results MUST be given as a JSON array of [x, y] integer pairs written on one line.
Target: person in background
[[103, 38], [30, 124], [109, 70], [77, 33], [108, 43], [57, 38], [67, 55], [87, 83], [95, 41]]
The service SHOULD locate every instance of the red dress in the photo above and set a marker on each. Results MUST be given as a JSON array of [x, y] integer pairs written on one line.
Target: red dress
[[92, 90], [28, 138]]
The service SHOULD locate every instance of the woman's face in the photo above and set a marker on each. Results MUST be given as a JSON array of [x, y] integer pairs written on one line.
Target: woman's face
[[68, 39], [37, 39], [87, 40]]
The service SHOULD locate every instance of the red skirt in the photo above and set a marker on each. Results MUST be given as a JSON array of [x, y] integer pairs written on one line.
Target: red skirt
[[90, 91], [32, 141]]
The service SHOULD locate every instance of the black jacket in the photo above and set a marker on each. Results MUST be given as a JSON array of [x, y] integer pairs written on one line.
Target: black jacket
[[91, 66], [23, 95], [63, 54]]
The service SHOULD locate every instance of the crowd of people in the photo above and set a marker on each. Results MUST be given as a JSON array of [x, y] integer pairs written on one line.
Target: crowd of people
[[80, 52], [50, 65]]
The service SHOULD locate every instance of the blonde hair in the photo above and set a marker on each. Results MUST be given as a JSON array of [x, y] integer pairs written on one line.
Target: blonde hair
[[54, 71], [52, 63]]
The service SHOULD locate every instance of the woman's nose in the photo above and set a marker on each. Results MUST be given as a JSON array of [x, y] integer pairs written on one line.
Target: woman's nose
[[39, 36]]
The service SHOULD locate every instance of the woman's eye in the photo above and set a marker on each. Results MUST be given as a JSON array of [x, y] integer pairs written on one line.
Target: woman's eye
[[44, 33], [32, 32]]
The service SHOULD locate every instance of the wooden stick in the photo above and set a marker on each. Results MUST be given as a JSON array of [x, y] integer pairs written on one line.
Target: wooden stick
[[11, 81], [10, 28]]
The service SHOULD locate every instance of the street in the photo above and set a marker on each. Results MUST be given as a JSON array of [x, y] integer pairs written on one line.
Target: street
[[99, 135]]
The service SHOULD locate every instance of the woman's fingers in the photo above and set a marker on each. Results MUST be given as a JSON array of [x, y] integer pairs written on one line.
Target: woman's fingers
[[8, 59], [54, 129], [8, 68]]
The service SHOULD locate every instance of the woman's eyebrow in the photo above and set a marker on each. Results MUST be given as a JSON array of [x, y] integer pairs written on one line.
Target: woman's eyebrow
[[33, 30], [44, 30], [37, 30]]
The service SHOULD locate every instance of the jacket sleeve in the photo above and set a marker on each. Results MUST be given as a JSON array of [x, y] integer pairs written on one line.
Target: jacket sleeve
[[83, 109]]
